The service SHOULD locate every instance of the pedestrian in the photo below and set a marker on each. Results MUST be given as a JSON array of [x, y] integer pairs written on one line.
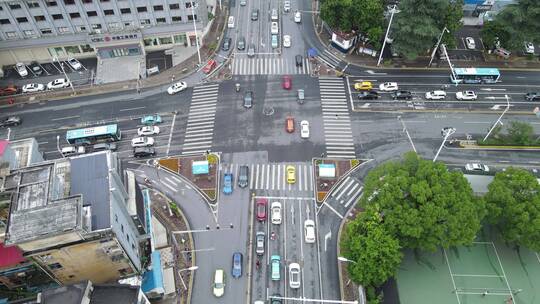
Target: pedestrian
[[484, 293], [172, 79]]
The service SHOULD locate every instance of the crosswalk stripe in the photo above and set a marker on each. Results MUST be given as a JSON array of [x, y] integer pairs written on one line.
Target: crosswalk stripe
[[353, 198], [269, 65], [200, 124]]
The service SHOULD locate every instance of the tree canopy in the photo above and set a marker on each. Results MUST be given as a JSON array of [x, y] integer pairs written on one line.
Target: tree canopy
[[423, 204], [513, 202]]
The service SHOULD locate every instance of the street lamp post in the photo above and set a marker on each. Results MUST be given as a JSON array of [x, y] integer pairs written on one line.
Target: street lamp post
[[500, 117], [196, 35], [437, 45], [65, 75], [58, 145], [386, 36], [443, 47], [186, 269], [344, 259], [447, 134], [407, 132]]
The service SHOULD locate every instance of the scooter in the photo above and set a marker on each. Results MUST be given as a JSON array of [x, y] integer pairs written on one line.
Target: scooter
[[237, 86]]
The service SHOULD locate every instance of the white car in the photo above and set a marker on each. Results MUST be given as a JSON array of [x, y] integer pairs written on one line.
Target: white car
[[434, 95], [148, 130], [529, 48], [297, 17], [477, 167], [21, 69], [294, 275], [275, 213], [58, 84], [274, 28], [287, 41], [74, 63], [286, 6], [388, 86], [469, 41], [309, 231], [142, 142], [304, 129], [177, 87], [466, 95], [33, 87]]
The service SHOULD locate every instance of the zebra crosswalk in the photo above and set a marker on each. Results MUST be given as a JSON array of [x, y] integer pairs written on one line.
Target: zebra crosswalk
[[274, 176], [200, 124], [336, 119], [268, 65], [347, 191], [329, 59]]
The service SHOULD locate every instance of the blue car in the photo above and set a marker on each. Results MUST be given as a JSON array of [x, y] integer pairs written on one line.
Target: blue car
[[151, 119], [227, 183], [237, 265]]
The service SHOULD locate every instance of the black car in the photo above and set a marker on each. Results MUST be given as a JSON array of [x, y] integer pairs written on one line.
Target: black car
[[226, 44], [248, 99], [368, 95], [532, 96], [241, 45], [255, 15], [402, 95], [10, 121], [274, 300], [144, 151], [299, 60]]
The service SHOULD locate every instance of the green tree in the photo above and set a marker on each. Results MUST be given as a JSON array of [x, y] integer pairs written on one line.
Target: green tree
[[336, 13], [513, 202], [521, 133], [493, 30], [423, 204], [376, 254], [452, 21]]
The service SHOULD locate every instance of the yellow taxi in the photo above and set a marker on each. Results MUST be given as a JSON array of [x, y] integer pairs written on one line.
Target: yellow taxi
[[364, 85], [291, 174]]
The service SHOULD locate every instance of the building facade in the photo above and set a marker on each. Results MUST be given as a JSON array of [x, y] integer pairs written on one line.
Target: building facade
[[39, 30]]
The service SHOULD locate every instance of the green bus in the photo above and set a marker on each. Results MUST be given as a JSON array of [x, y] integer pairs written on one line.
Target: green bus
[[92, 135]]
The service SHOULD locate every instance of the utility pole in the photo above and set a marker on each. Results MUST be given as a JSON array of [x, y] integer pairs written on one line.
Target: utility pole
[[500, 117], [407, 132], [447, 134], [443, 47], [386, 36], [196, 35], [437, 45]]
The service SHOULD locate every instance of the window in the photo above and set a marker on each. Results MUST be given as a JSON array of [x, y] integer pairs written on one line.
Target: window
[[104, 0], [108, 12], [72, 49], [91, 13], [87, 1], [127, 236], [141, 9], [127, 24], [86, 48], [125, 11], [116, 218], [22, 20], [190, 4], [63, 29], [122, 227], [29, 33], [4, 21], [11, 35], [1, 8], [190, 17], [161, 20], [165, 40], [51, 3], [115, 25], [174, 6], [74, 15], [145, 21], [14, 6], [55, 266], [69, 2], [46, 31], [96, 26], [57, 16], [80, 28], [176, 19], [158, 8], [180, 38], [39, 18], [32, 4]]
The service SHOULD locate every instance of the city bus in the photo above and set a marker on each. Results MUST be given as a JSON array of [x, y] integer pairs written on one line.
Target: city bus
[[92, 135], [475, 75]]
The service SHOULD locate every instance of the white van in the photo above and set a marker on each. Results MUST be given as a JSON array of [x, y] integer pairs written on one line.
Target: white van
[[71, 150], [230, 24], [275, 15]]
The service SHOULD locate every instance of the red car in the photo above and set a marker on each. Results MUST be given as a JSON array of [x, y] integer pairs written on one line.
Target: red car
[[9, 90], [260, 206], [289, 124], [287, 82], [209, 66]]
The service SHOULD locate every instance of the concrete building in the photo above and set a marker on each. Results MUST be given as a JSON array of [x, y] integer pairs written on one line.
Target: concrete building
[[40, 30], [73, 218]]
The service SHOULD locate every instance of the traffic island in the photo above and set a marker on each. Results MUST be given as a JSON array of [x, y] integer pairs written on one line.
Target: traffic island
[[328, 172], [201, 171]]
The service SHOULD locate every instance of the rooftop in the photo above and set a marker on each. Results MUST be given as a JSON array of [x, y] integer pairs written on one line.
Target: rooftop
[[99, 294]]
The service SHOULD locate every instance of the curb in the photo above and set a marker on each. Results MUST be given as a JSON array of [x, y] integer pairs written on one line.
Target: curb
[[439, 111]]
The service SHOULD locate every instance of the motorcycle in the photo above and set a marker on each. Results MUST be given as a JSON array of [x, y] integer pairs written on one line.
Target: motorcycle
[[237, 86]]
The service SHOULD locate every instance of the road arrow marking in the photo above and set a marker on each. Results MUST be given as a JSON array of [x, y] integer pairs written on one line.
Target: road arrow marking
[[490, 89], [326, 238], [493, 97], [375, 73]]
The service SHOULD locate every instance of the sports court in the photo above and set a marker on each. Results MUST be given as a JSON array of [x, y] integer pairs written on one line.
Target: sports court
[[487, 272]]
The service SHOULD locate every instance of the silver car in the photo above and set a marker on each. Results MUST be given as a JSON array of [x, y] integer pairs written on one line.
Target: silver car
[[260, 239]]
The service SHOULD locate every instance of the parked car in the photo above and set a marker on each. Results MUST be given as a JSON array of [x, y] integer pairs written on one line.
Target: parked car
[[227, 183], [529, 48], [151, 119], [248, 99], [33, 87], [218, 288], [237, 265], [287, 41], [294, 275], [209, 67], [104, 146], [261, 209], [300, 95], [275, 299], [36, 68], [72, 150], [287, 82], [243, 2], [21, 69], [504, 53], [275, 262], [407, 95], [304, 129], [368, 95], [469, 41], [148, 130], [275, 42], [388, 86], [309, 231], [254, 15], [436, 95], [177, 87], [144, 152], [142, 142], [74, 63], [275, 213], [9, 90], [10, 121], [477, 167], [466, 95], [289, 124], [241, 45], [531, 96], [363, 86], [226, 44], [291, 174], [59, 83], [274, 28], [299, 60], [297, 17], [259, 240], [286, 6], [274, 15]]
